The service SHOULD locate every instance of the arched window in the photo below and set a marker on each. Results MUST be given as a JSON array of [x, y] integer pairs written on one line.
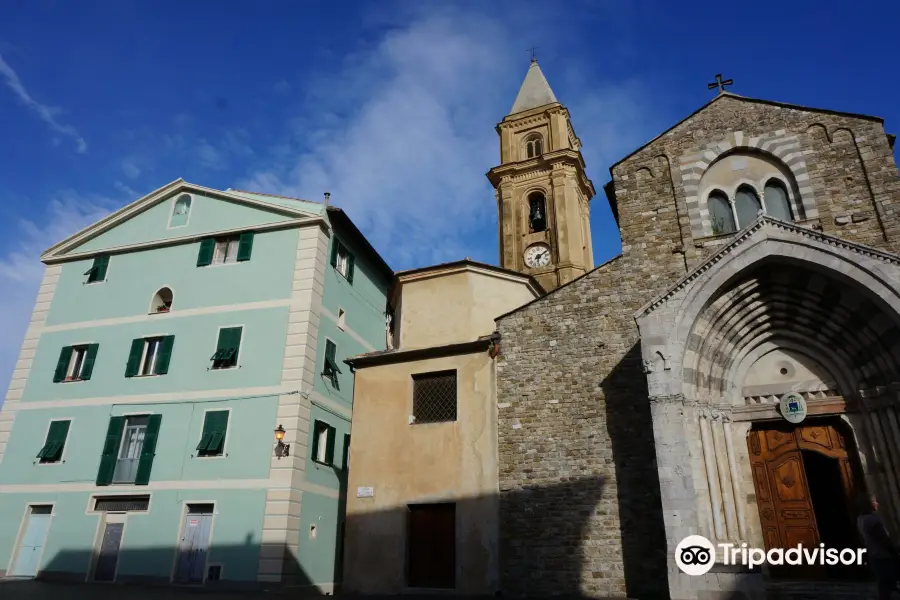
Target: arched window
[[720, 214], [537, 213], [776, 198], [746, 206], [162, 301], [180, 211], [533, 146]]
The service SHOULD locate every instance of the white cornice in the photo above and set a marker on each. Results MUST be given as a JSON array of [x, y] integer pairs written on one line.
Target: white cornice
[[308, 221], [159, 195]]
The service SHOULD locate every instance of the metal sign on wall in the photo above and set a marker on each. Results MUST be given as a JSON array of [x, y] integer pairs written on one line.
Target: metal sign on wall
[[793, 407]]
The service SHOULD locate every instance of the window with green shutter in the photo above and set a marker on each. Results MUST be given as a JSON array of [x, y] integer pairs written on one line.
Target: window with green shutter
[[149, 356], [227, 348], [330, 367], [323, 443], [215, 428], [225, 250], [97, 272], [52, 450], [342, 260], [76, 363]]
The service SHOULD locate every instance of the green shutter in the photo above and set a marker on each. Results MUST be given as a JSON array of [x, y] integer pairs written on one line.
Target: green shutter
[[329, 449], [315, 440], [330, 350], [345, 460], [148, 451], [335, 244], [134, 357], [90, 357], [245, 246], [215, 424], [350, 262], [205, 256], [164, 354], [62, 365], [100, 265], [110, 450], [56, 441]]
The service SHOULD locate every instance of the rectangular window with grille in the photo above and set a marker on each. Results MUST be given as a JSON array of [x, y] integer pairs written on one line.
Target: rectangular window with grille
[[434, 397], [121, 503]]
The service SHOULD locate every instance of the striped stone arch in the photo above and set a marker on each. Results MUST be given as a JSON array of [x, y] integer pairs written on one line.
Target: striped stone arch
[[779, 145]]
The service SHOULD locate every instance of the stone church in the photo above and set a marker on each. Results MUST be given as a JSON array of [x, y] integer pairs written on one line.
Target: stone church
[[640, 401]]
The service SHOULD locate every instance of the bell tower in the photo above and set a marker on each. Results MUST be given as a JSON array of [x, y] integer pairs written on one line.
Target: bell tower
[[543, 193]]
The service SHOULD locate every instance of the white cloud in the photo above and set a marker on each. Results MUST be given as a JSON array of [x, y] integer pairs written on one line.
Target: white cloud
[[46, 113], [403, 134], [208, 155], [21, 270], [130, 168]]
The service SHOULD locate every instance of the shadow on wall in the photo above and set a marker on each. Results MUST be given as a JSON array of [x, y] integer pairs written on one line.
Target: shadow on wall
[[553, 528]]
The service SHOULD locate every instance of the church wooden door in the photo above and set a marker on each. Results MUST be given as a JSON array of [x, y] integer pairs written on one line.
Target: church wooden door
[[785, 503]]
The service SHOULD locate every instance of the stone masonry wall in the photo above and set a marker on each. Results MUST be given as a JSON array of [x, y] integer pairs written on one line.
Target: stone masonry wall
[[573, 402]]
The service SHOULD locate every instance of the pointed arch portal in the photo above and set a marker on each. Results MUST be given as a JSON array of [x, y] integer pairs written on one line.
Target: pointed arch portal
[[779, 309]]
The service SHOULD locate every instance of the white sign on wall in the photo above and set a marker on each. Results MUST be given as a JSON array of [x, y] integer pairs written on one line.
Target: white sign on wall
[[365, 492], [793, 407]]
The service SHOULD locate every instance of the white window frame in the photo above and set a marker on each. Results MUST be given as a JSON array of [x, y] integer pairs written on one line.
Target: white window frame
[[321, 443], [142, 367], [341, 319], [342, 260], [79, 354], [222, 251], [190, 210]]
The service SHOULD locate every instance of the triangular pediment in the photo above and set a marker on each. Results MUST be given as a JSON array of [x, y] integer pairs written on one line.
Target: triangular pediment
[[765, 227], [148, 219]]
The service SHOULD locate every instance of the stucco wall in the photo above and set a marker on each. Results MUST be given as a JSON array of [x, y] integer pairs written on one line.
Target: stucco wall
[[456, 307], [406, 464]]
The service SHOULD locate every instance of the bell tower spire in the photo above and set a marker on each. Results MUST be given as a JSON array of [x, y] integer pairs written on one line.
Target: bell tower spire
[[543, 192]]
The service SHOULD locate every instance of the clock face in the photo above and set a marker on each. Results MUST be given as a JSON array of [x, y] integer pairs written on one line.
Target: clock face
[[537, 256]]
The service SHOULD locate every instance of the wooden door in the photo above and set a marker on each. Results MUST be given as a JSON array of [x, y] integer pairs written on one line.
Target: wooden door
[[194, 544], [31, 546], [108, 559], [431, 551], [783, 495]]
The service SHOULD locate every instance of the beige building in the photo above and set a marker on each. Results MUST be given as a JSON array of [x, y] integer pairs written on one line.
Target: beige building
[[422, 490]]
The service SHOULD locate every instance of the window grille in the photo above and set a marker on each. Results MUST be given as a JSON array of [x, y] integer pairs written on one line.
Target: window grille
[[434, 397], [122, 504]]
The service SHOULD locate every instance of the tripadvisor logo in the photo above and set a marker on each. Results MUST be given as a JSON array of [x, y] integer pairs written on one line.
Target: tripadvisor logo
[[695, 555]]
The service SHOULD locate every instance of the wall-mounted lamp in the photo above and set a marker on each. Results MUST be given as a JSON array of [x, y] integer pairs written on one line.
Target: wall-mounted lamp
[[281, 449]]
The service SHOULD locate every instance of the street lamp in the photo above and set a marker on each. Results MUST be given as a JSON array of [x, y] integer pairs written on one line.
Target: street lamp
[[281, 449]]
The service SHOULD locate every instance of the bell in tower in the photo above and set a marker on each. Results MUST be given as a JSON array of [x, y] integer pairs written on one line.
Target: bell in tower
[[543, 193]]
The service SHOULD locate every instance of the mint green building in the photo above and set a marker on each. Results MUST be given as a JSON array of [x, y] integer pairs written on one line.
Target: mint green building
[[169, 343]]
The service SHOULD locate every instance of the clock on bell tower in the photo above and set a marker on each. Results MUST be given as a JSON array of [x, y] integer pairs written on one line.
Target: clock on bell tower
[[543, 193]]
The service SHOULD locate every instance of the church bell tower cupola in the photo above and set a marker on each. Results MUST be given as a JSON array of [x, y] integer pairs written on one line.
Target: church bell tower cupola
[[543, 193]]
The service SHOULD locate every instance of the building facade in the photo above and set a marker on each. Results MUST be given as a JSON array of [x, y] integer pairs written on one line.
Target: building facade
[[168, 343], [646, 401], [422, 500]]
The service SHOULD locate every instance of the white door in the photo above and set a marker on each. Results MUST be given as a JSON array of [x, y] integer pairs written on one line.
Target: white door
[[31, 546]]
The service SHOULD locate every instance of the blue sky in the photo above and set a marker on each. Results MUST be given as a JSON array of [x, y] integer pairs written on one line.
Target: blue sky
[[390, 106]]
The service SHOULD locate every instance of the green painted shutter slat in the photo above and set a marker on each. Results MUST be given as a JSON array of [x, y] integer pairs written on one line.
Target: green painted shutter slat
[[62, 364], [205, 256], [145, 464], [110, 449], [90, 357], [350, 262], [236, 338], [330, 349], [134, 357], [204, 441], [315, 440], [164, 354], [101, 263], [334, 251], [245, 246], [329, 449], [59, 430], [215, 442]]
